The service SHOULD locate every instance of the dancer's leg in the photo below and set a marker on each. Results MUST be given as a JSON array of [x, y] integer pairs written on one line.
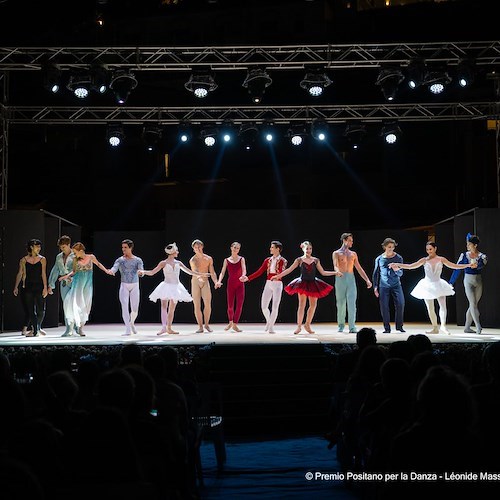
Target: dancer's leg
[[164, 316], [135, 298], [341, 299], [240, 297], [267, 295], [351, 296], [399, 306], [206, 295], [473, 285], [170, 316], [124, 296], [383, 300], [39, 312], [443, 313], [277, 290], [313, 302], [429, 303], [300, 311], [196, 294]]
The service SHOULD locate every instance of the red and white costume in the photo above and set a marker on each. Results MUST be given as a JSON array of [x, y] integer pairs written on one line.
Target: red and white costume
[[272, 289]]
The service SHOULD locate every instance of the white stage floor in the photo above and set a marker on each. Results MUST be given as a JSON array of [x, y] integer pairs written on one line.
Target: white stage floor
[[253, 333]]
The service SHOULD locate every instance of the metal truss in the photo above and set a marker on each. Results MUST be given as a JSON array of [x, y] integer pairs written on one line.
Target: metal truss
[[279, 57], [81, 115]]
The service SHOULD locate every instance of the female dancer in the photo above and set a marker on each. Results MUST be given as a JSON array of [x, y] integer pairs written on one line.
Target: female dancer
[[307, 286], [33, 275], [236, 269], [78, 301], [171, 290], [473, 282], [432, 286]]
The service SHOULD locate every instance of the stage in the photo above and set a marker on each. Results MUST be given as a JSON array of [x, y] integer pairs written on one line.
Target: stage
[[252, 334]]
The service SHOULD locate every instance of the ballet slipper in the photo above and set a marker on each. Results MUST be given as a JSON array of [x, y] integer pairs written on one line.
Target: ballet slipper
[[134, 330], [297, 330], [42, 332], [172, 332], [200, 330], [445, 330], [208, 329], [235, 328], [229, 326], [435, 329], [308, 329], [162, 331]]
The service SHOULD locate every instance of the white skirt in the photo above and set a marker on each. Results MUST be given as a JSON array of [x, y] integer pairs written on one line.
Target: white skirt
[[427, 289], [170, 291]]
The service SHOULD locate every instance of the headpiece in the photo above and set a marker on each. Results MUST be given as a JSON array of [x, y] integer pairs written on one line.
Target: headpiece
[[172, 248]]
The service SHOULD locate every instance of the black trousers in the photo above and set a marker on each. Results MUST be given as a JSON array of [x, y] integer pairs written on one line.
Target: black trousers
[[35, 304]]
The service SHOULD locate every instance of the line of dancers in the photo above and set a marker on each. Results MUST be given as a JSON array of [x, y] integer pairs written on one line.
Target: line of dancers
[[73, 270]]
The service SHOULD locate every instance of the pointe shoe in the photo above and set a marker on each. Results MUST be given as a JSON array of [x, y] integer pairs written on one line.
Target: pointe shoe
[[229, 326], [172, 332], [469, 330], [200, 330], [133, 328], [435, 329], [308, 329], [297, 330], [235, 328], [42, 332], [208, 329], [163, 331], [445, 330], [25, 330], [271, 330], [81, 332]]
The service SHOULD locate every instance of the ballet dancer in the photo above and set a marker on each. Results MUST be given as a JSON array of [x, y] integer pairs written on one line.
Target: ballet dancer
[[128, 265], [236, 269], [307, 286], [170, 290], [272, 289], [432, 286], [473, 281]]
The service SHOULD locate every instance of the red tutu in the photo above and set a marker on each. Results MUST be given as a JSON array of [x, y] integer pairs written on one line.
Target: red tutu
[[317, 288]]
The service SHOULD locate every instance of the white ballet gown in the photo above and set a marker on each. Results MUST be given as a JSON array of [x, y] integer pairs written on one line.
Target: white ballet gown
[[171, 287], [432, 286]]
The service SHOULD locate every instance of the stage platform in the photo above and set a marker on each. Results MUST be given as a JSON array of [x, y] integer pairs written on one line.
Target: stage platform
[[252, 334]]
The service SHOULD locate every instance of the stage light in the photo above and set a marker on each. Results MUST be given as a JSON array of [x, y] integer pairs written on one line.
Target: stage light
[[465, 72], [80, 85], [151, 135], [297, 133], [256, 81], [391, 133], [437, 80], [209, 136], [122, 83], [99, 78], [355, 133], [415, 73], [185, 132], [227, 131], [115, 135], [315, 83], [200, 84], [319, 129], [52, 78], [389, 79], [269, 130], [248, 134]]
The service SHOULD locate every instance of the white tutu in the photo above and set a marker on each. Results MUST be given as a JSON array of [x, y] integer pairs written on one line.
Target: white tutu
[[427, 289], [167, 291]]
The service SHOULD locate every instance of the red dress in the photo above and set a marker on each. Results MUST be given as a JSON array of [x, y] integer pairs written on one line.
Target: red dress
[[307, 283], [235, 291]]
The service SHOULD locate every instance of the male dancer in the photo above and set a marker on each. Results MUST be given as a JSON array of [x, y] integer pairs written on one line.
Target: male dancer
[[63, 265], [128, 265], [345, 260], [386, 283], [273, 288], [200, 285]]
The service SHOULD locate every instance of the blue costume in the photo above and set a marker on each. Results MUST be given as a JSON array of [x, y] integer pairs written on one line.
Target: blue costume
[[387, 282], [61, 268]]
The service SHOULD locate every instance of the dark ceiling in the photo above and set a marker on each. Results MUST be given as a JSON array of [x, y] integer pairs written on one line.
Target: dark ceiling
[[439, 169]]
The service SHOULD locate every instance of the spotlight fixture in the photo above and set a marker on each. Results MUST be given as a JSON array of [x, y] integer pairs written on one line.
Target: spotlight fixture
[[415, 73], [297, 133], [122, 83], [256, 81], [99, 78], [248, 134], [80, 85], [115, 135], [391, 133], [185, 133], [209, 136], [268, 131], [437, 80], [52, 78], [319, 129], [389, 79], [151, 135], [315, 83], [200, 84], [355, 133], [227, 131], [465, 72]]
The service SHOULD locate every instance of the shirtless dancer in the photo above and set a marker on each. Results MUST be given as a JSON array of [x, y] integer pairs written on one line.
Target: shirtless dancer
[[345, 260], [200, 285]]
